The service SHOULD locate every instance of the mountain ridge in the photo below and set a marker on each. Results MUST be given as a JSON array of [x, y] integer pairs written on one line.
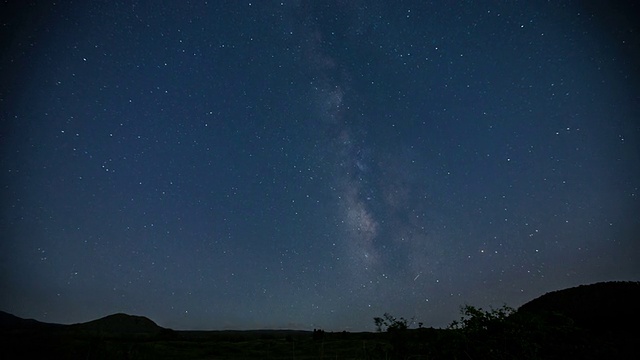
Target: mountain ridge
[[603, 306], [585, 305]]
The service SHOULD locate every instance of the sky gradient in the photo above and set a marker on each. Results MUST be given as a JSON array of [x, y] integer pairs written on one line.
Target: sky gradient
[[313, 164]]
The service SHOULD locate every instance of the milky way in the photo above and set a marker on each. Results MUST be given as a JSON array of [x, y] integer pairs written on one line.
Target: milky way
[[304, 164]]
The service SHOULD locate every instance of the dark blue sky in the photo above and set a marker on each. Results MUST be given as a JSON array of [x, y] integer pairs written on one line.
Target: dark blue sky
[[313, 164]]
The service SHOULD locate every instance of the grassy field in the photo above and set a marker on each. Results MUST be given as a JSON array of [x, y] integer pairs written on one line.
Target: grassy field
[[198, 345], [559, 343]]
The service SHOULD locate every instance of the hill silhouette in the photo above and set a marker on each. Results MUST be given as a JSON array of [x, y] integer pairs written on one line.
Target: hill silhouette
[[119, 324], [602, 307], [9, 322]]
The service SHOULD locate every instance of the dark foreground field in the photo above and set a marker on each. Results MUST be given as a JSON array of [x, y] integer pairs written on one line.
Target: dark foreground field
[[588, 322], [191, 345]]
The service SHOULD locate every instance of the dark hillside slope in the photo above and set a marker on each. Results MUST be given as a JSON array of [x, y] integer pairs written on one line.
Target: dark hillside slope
[[9, 322], [119, 324], [606, 306]]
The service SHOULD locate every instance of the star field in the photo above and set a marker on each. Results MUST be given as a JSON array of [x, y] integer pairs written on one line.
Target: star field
[[313, 164]]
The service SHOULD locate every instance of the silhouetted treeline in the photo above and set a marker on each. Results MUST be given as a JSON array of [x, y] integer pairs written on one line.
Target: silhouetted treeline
[[587, 322]]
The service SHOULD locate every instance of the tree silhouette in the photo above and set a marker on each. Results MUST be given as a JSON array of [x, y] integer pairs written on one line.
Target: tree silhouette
[[318, 334], [396, 328], [475, 319], [389, 323]]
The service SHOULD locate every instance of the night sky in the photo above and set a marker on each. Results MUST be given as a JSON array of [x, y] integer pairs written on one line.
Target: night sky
[[313, 164]]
